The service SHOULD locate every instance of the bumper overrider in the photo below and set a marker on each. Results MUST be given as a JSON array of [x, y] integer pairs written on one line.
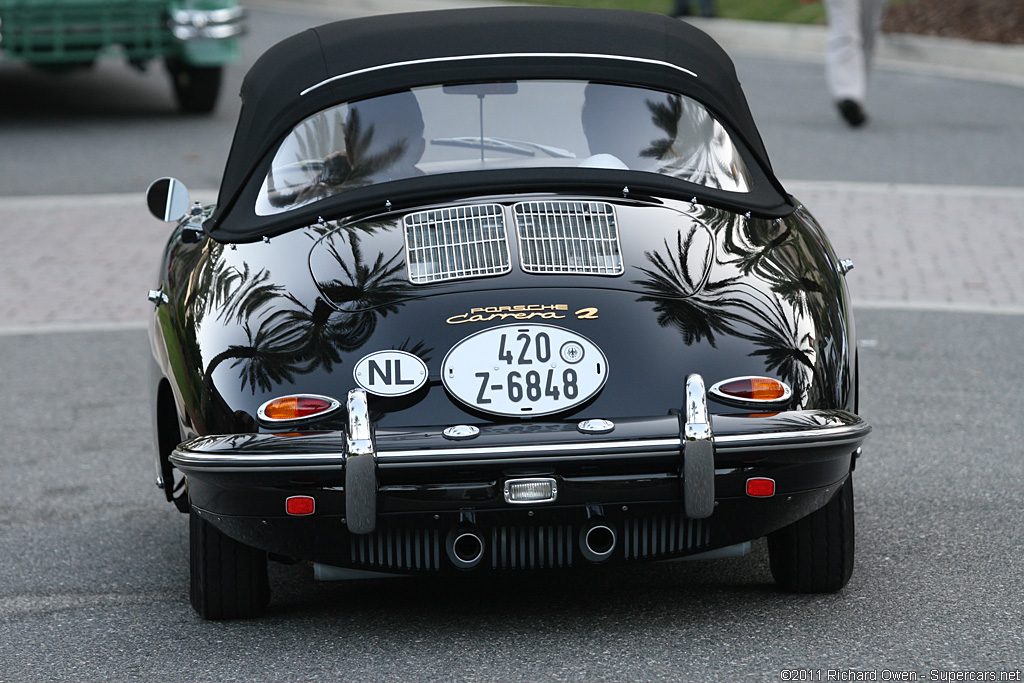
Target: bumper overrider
[[524, 495]]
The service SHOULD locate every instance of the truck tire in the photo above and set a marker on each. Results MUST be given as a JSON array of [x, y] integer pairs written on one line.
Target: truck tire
[[196, 88]]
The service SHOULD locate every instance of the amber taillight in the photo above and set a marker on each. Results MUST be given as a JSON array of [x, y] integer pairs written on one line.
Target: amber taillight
[[755, 390], [298, 407]]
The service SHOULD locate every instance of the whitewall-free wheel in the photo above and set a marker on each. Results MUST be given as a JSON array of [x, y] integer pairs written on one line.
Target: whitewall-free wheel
[[228, 578], [815, 554]]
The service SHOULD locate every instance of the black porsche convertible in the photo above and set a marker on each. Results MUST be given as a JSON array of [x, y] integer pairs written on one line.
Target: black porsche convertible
[[500, 289]]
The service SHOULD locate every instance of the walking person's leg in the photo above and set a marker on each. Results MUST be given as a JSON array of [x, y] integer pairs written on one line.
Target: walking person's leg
[[845, 65]]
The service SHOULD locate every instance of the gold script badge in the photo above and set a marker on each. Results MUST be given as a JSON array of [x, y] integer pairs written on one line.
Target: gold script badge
[[520, 312]]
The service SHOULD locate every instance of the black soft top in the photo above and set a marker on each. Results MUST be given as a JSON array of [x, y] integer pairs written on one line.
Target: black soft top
[[357, 58]]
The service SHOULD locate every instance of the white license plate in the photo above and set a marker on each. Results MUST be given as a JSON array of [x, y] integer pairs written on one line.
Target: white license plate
[[524, 370]]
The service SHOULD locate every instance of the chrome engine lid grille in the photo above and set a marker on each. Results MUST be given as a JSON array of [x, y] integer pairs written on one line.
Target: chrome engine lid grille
[[579, 238], [456, 242]]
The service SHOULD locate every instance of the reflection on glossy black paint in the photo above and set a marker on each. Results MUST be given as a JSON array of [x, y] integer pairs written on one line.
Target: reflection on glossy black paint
[[765, 287], [360, 286], [681, 299], [816, 419], [770, 285], [285, 336]]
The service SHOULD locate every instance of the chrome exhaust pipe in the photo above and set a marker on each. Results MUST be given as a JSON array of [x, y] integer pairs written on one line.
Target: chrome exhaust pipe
[[597, 542], [465, 547]]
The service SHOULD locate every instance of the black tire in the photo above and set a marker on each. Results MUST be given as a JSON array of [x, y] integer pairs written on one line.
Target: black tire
[[815, 554], [196, 88], [228, 578]]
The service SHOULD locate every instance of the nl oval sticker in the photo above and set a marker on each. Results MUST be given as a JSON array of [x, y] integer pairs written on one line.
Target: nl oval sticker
[[524, 370], [390, 373]]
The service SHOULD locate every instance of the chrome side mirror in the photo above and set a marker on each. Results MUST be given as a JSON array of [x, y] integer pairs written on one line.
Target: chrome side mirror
[[167, 199]]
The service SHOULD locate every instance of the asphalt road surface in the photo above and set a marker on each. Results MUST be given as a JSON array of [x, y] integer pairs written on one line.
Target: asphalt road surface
[[113, 129], [95, 575]]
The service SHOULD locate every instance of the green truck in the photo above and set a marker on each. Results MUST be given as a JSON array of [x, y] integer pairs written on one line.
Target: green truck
[[194, 38]]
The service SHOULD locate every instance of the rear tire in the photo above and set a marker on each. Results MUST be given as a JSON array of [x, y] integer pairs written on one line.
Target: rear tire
[[815, 554], [228, 578]]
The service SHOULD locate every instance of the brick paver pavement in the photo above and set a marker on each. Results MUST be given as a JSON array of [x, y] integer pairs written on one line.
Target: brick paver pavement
[[89, 261], [925, 246], [78, 261]]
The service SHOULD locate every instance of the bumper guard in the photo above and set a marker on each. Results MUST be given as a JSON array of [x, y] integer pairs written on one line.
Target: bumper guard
[[693, 443]]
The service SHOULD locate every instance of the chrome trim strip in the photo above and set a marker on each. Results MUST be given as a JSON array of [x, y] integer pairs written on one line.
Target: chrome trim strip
[[660, 444], [738, 442], [805, 438], [510, 461], [327, 459], [544, 55], [227, 462]]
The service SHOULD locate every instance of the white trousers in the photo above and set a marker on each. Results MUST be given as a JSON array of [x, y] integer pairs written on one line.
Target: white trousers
[[852, 32]]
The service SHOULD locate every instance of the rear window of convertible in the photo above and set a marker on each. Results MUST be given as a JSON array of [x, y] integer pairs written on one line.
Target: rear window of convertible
[[527, 124]]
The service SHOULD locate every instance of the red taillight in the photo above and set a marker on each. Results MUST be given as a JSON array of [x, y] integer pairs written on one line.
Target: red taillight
[[300, 505], [298, 407], [760, 487], [753, 389]]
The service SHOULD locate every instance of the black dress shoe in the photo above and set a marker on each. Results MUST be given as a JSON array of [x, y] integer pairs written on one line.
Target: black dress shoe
[[852, 112]]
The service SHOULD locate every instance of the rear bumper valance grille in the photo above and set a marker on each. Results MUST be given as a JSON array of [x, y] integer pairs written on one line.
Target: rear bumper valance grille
[[529, 547]]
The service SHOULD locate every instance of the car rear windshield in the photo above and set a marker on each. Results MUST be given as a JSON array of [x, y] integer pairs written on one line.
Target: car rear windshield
[[527, 124]]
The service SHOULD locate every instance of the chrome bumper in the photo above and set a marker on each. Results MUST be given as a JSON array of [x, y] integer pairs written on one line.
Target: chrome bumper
[[794, 431], [693, 443], [217, 24]]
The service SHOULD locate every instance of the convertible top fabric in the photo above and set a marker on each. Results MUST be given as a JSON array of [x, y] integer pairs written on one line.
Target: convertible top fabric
[[356, 58]]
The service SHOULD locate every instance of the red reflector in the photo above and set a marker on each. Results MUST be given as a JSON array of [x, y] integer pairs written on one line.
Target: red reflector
[[300, 505], [760, 487]]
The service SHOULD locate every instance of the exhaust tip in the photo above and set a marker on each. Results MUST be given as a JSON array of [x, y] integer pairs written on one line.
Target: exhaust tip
[[597, 542], [465, 548]]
